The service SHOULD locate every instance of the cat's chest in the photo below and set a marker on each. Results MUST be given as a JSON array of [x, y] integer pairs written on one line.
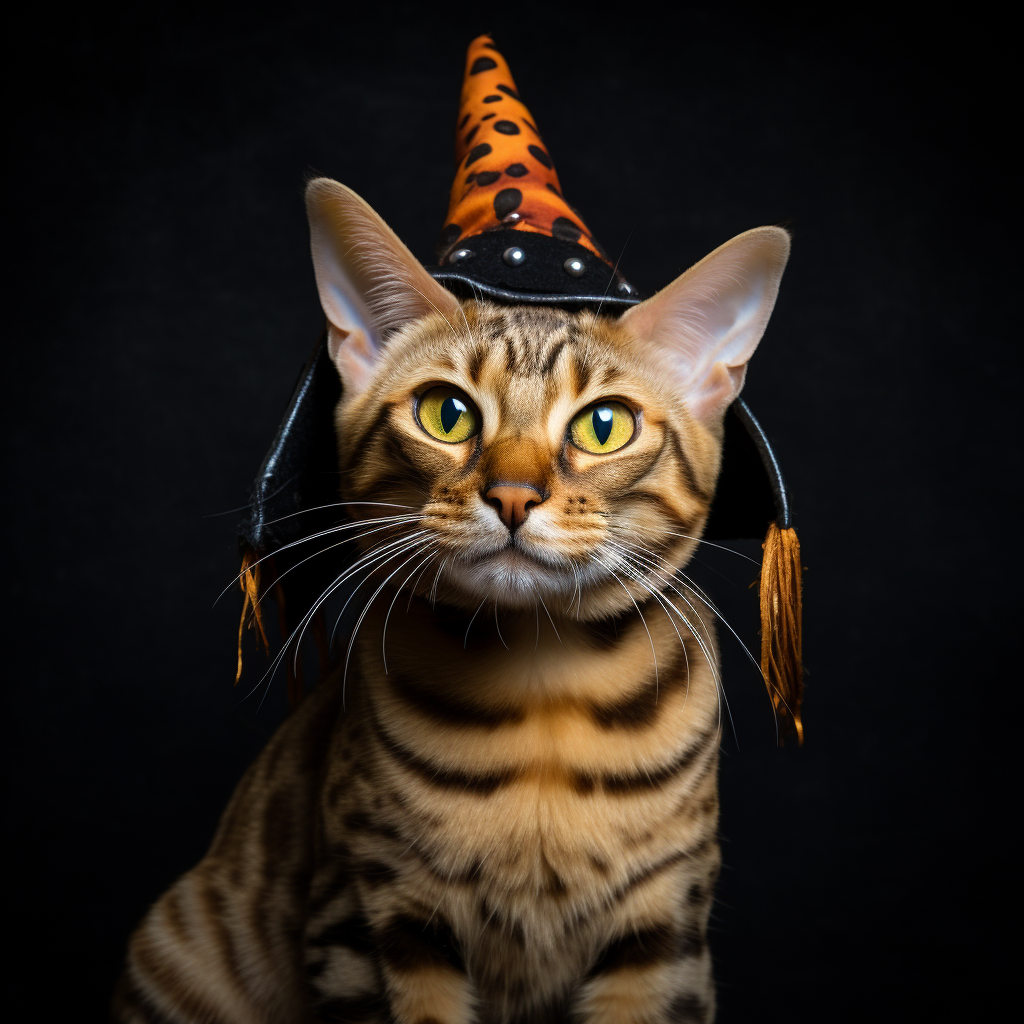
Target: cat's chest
[[543, 803], [537, 786]]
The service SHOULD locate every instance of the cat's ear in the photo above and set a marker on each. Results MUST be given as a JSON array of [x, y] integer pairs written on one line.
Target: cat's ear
[[709, 320], [370, 284]]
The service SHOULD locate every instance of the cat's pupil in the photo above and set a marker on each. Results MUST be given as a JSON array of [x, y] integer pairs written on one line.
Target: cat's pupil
[[602, 420], [451, 410]]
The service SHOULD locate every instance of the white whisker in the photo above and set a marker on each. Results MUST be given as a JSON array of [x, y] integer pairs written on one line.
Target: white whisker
[[548, 614], [348, 540], [378, 555], [366, 609], [654, 653], [313, 536], [465, 639], [398, 590], [498, 628], [712, 544]]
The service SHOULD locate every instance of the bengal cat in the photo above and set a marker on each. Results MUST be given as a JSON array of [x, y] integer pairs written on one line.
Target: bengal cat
[[504, 807]]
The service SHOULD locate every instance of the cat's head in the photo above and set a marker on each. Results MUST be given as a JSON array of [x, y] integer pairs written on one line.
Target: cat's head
[[528, 452]]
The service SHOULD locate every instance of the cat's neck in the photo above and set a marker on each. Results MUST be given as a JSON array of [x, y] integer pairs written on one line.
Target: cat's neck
[[538, 655]]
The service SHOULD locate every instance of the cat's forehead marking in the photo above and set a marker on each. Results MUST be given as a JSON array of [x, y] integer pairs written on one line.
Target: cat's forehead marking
[[532, 341], [529, 364]]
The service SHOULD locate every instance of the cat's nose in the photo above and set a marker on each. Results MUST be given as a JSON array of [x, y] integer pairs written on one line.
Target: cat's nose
[[512, 502]]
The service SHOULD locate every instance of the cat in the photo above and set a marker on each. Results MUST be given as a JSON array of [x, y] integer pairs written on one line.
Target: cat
[[503, 808]]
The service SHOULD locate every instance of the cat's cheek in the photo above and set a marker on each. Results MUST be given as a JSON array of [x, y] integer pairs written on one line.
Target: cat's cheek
[[435, 460], [613, 473]]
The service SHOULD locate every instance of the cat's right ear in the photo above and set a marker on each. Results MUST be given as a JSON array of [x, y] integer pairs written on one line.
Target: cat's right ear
[[370, 285]]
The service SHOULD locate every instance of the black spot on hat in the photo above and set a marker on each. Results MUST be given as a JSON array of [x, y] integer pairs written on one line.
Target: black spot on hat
[[482, 64], [487, 177], [506, 201], [472, 131], [508, 91], [487, 117], [469, 179], [449, 235], [464, 122], [506, 127], [566, 230], [540, 156], [492, 99], [516, 170], [476, 152], [551, 188]]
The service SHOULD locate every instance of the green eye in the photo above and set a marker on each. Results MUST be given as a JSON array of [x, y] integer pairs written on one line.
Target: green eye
[[603, 427], [447, 414]]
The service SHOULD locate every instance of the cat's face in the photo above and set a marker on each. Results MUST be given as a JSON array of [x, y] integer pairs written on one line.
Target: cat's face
[[528, 453], [546, 454]]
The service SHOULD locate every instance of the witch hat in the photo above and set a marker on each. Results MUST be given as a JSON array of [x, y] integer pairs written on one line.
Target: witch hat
[[511, 237], [509, 234]]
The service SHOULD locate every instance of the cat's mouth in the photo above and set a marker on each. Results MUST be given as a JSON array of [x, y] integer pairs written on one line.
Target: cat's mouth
[[513, 554], [513, 574]]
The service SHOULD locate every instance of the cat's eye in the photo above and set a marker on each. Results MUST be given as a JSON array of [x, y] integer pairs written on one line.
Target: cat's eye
[[602, 427], [447, 414]]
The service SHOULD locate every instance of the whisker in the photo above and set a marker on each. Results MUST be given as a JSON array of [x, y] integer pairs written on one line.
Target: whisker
[[341, 543], [365, 611], [378, 555], [632, 554], [654, 653], [475, 614], [712, 544], [303, 540], [412, 592], [245, 508], [466, 322], [398, 590], [639, 578], [614, 269], [698, 591], [686, 657], [304, 622], [437, 578], [548, 614], [438, 311], [498, 627], [336, 504]]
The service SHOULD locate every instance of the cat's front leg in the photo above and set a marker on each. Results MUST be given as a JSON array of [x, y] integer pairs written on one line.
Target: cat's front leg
[[660, 974], [424, 973], [408, 963]]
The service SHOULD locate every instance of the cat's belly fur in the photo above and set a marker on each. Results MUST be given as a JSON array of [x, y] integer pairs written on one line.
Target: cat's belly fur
[[538, 841]]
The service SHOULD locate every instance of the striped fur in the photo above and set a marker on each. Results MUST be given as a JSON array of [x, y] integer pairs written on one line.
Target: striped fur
[[516, 820]]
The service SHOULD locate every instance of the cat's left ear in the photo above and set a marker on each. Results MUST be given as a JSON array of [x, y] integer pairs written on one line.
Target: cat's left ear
[[710, 320], [370, 285]]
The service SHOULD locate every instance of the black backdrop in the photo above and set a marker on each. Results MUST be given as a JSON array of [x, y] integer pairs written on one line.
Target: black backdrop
[[164, 302]]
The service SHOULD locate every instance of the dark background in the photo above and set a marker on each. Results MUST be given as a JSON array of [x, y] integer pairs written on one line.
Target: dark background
[[164, 303]]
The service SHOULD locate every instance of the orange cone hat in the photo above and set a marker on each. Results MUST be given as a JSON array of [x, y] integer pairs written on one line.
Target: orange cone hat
[[506, 182], [505, 175]]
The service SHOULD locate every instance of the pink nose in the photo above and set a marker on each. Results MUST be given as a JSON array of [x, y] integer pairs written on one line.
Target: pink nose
[[512, 502]]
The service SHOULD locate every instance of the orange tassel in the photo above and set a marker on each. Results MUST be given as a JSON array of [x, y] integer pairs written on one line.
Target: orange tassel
[[249, 581], [781, 626]]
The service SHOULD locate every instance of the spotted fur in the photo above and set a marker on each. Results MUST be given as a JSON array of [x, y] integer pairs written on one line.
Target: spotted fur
[[505, 174], [506, 811]]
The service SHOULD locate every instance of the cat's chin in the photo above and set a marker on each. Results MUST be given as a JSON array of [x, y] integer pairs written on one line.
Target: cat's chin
[[510, 577]]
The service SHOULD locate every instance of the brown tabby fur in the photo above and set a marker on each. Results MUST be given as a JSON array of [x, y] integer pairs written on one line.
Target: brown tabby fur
[[515, 821]]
